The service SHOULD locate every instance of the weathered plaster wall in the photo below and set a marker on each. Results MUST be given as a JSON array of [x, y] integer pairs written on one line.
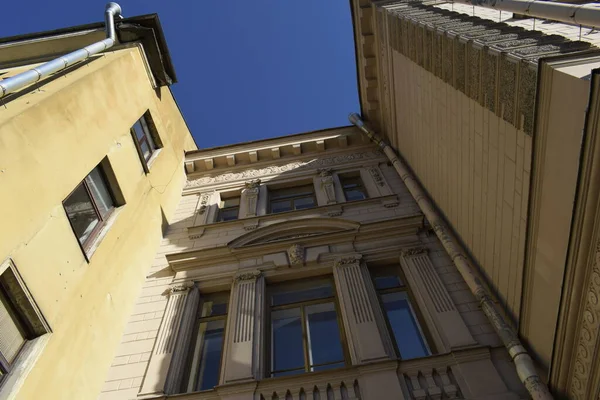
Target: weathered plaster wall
[[49, 141]]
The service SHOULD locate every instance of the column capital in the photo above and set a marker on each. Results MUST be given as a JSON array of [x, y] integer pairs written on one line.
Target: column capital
[[350, 259], [413, 251], [247, 275]]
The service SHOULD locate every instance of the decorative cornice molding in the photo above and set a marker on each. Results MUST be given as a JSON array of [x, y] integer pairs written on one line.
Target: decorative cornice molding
[[278, 169], [247, 275], [413, 251]]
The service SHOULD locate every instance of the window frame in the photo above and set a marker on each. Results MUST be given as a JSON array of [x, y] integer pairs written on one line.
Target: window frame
[[89, 242], [362, 186], [221, 209], [291, 198], [199, 320], [415, 311], [150, 134], [33, 327], [269, 351]]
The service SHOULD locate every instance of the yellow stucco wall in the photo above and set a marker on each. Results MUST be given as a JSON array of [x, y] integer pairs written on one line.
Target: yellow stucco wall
[[49, 141]]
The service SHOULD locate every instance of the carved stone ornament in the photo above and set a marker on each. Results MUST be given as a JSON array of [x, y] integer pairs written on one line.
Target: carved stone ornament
[[376, 176], [326, 175], [249, 275], [349, 260], [296, 255], [180, 289], [250, 193], [325, 172], [204, 198], [278, 169], [414, 251], [253, 184]]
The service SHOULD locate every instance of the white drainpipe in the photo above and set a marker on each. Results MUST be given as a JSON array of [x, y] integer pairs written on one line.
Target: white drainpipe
[[28, 77], [523, 362]]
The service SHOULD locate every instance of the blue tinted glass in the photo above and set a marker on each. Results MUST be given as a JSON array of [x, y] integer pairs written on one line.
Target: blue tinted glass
[[288, 373], [320, 290], [211, 354], [404, 325], [388, 282], [306, 202], [355, 194], [328, 366], [281, 206], [286, 336], [324, 344]]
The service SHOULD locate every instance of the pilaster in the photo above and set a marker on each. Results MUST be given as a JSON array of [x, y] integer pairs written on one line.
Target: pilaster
[[244, 340], [249, 199], [162, 354], [445, 324], [325, 186], [361, 315]]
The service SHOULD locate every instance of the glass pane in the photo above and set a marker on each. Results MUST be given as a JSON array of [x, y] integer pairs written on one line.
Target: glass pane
[[81, 213], [287, 351], [100, 192], [328, 366], [405, 328], [281, 206], [146, 153], [388, 282], [288, 373], [228, 214], [354, 194], [207, 354], [324, 344], [11, 338], [214, 304], [147, 133], [288, 295], [139, 130], [306, 202]]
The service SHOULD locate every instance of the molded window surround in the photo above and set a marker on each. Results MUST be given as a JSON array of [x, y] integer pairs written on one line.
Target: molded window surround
[[23, 330], [146, 139]]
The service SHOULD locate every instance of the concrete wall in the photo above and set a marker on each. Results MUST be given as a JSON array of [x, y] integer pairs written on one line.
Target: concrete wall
[[49, 141]]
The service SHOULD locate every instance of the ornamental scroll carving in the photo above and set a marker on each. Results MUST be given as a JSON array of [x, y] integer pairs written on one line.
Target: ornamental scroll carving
[[279, 169], [296, 255], [348, 260], [377, 178], [204, 199], [246, 276], [414, 251], [588, 335], [326, 177]]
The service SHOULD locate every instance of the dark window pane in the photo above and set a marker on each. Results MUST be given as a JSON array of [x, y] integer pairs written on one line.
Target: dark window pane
[[100, 192], [139, 130], [317, 291], [404, 325], [214, 304], [355, 194], [281, 206], [286, 339], [306, 202], [388, 282], [146, 152], [288, 373], [228, 214], [210, 336], [298, 191], [81, 213], [328, 366], [324, 344], [147, 134]]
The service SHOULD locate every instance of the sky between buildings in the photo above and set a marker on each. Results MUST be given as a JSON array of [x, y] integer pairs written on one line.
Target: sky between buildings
[[247, 69]]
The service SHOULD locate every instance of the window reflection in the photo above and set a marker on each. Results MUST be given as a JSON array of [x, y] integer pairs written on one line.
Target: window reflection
[[294, 198], [305, 332]]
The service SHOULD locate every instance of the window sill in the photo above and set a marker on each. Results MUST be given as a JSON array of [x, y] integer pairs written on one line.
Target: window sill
[[330, 210], [14, 380], [153, 158], [89, 250]]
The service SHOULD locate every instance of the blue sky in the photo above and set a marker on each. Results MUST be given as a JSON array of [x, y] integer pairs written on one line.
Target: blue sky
[[247, 69]]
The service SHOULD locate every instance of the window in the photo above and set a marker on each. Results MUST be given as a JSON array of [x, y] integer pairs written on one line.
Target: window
[[145, 141], [208, 344], [20, 321], [89, 206], [305, 331], [400, 315], [229, 209], [293, 198], [353, 187]]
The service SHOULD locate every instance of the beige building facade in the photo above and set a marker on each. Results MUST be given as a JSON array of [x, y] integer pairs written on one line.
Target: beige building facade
[[301, 267]]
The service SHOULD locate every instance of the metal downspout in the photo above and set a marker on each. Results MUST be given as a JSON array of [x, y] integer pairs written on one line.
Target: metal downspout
[[577, 14], [19, 81], [523, 362]]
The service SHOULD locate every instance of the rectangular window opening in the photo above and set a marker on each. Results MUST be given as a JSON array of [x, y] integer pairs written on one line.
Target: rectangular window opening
[[305, 329], [146, 139], [353, 187], [229, 209], [292, 198]]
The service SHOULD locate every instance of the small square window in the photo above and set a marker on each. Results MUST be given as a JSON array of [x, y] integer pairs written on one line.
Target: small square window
[[145, 139], [20, 322], [90, 206], [292, 198], [229, 209], [353, 187]]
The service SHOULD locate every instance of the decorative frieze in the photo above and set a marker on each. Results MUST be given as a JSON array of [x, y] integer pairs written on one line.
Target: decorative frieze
[[279, 169]]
